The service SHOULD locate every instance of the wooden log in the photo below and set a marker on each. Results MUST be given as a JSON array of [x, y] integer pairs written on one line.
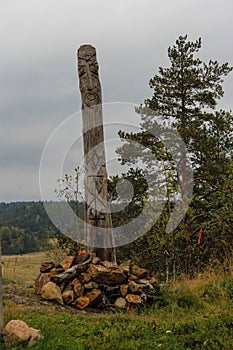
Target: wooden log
[[47, 266], [134, 299], [97, 210], [71, 272], [134, 287], [110, 290]]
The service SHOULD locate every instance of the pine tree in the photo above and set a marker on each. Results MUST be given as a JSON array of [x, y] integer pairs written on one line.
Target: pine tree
[[185, 96]]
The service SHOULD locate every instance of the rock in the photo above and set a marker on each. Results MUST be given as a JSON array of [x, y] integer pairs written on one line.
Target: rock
[[125, 266], [143, 281], [51, 291], [93, 294], [133, 278], [91, 285], [47, 266], [68, 296], [41, 280], [35, 336], [95, 260], [108, 264], [20, 300], [81, 303], [124, 289], [104, 275], [134, 287], [18, 332], [84, 277], [120, 303], [139, 272], [77, 287], [134, 299], [67, 262], [55, 272]]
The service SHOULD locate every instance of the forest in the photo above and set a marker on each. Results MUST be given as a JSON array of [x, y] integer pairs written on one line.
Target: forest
[[25, 227]]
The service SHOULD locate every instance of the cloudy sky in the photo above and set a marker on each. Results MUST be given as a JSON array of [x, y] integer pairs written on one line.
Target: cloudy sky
[[39, 87]]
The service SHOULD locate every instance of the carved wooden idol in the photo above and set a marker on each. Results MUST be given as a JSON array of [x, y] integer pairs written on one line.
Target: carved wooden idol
[[98, 227]]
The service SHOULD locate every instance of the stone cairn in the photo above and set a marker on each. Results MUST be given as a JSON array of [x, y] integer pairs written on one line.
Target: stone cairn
[[86, 281]]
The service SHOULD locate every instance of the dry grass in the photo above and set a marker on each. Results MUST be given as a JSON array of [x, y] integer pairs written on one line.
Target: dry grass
[[197, 285], [23, 268]]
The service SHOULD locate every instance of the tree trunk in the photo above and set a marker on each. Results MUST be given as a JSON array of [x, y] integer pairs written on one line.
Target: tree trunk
[[98, 222]]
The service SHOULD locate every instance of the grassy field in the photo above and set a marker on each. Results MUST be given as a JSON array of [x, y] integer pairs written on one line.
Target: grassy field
[[25, 268], [194, 314], [22, 268]]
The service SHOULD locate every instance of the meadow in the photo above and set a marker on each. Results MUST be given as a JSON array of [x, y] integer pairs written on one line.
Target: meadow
[[191, 314]]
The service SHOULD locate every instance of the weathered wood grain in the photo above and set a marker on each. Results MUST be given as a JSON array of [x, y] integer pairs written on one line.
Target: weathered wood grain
[[98, 227]]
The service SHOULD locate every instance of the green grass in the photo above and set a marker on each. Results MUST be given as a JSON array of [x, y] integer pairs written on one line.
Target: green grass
[[65, 331], [194, 314]]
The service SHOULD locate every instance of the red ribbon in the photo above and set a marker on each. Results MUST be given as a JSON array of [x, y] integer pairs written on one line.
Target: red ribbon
[[82, 253], [199, 237]]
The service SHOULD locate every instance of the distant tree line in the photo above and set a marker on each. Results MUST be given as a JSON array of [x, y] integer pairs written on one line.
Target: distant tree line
[[25, 227]]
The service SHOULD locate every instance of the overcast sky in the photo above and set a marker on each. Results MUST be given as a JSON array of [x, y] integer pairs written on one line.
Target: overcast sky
[[39, 87]]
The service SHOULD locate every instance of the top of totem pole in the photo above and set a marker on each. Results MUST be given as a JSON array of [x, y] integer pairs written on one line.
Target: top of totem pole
[[86, 51], [88, 76]]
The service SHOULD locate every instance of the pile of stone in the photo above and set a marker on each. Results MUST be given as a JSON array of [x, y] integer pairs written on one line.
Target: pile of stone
[[86, 281]]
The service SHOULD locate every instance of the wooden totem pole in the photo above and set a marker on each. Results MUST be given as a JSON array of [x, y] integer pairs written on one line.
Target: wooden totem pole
[[98, 222]]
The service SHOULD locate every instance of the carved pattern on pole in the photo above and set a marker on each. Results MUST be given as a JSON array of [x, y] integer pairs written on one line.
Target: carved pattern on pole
[[97, 211]]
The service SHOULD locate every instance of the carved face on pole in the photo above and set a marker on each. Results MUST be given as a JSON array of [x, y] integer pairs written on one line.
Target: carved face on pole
[[88, 75]]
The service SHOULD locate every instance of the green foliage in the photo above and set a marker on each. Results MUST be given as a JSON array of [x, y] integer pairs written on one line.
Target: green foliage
[[185, 95], [67, 245], [187, 300], [219, 289], [25, 227], [17, 241], [188, 85]]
